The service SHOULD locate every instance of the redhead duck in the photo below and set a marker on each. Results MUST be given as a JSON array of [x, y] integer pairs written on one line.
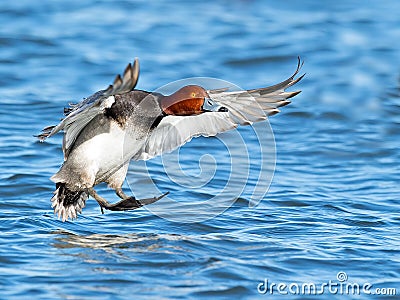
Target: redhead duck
[[113, 126]]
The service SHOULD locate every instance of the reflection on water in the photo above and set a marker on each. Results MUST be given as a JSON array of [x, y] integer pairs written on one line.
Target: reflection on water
[[137, 242]]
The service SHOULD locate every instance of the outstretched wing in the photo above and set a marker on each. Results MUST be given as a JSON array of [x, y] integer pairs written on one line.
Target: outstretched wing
[[79, 115], [244, 108]]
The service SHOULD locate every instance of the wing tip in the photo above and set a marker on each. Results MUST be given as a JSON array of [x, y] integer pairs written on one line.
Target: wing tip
[[46, 132], [126, 82], [273, 112], [293, 94], [300, 64], [284, 84]]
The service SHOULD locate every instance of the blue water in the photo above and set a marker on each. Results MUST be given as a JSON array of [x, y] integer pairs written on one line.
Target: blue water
[[332, 206]]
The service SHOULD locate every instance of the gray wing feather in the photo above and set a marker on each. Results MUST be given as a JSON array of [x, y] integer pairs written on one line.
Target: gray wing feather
[[244, 108], [245, 105], [174, 131], [79, 115]]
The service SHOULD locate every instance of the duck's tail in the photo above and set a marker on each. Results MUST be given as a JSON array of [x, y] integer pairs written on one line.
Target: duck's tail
[[68, 203]]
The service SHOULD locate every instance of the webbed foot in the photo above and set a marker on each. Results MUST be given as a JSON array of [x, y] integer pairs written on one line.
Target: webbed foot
[[125, 204], [132, 203]]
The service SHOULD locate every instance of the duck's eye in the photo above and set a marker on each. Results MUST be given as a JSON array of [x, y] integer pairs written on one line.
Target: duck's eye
[[193, 94]]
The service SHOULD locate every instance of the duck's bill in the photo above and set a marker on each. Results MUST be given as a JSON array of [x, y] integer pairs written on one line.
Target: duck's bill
[[211, 105]]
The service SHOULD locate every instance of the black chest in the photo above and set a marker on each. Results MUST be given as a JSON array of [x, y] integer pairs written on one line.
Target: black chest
[[139, 107]]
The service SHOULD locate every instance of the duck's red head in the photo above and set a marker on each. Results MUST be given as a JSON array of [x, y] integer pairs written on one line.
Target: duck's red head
[[189, 100]]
